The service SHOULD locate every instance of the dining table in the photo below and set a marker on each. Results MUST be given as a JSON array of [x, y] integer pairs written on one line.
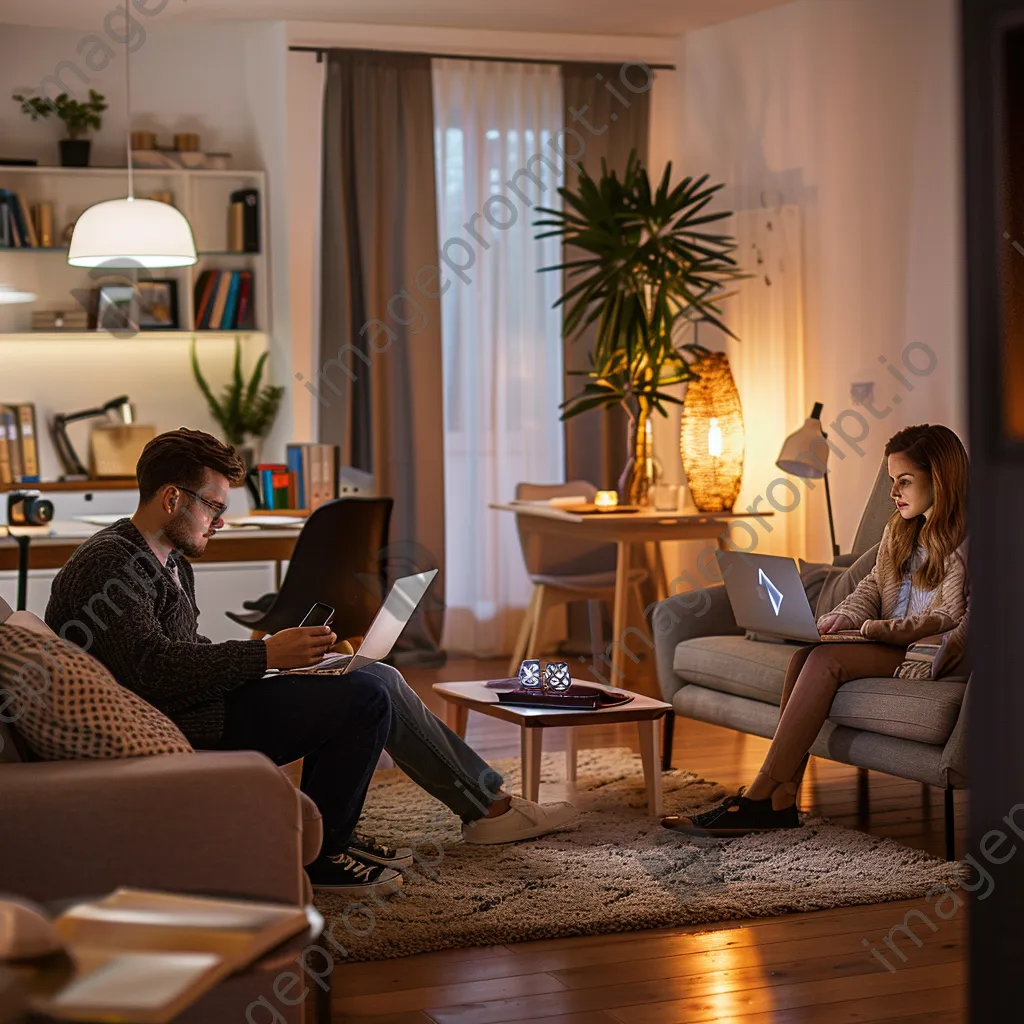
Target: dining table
[[645, 528]]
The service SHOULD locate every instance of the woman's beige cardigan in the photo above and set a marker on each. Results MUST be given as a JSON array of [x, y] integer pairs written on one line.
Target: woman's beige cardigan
[[871, 606]]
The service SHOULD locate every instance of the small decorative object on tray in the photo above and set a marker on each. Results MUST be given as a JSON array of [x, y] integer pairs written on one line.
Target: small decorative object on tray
[[556, 677], [553, 688], [529, 675]]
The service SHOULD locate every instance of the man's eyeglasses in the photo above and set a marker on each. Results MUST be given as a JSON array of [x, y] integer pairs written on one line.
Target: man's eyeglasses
[[215, 507]]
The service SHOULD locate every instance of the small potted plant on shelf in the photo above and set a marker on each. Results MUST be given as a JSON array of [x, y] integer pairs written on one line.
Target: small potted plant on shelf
[[245, 411], [79, 119]]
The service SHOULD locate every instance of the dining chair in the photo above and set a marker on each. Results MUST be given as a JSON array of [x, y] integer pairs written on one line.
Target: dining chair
[[339, 559], [564, 570]]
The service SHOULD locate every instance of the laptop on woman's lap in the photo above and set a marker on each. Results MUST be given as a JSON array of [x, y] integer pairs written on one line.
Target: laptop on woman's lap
[[768, 597]]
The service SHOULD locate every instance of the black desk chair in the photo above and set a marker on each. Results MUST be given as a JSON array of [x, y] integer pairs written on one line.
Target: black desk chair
[[339, 559]]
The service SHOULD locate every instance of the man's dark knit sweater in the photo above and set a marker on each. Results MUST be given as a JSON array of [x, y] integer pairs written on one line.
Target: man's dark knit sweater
[[115, 599]]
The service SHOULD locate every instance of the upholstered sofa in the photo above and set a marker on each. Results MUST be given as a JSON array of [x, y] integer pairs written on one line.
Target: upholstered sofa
[[206, 822], [709, 670]]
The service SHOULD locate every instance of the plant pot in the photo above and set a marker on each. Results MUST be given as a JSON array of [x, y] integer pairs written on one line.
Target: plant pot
[[74, 152]]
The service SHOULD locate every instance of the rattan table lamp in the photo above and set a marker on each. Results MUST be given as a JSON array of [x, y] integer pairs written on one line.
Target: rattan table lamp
[[711, 438]]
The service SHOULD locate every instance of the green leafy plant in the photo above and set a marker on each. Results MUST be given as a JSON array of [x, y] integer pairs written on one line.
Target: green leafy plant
[[643, 266], [243, 408], [78, 117]]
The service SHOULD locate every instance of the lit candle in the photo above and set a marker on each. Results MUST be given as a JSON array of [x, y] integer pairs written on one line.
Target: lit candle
[[714, 438], [606, 499]]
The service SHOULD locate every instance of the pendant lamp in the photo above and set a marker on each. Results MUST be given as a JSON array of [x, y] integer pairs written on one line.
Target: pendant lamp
[[130, 232]]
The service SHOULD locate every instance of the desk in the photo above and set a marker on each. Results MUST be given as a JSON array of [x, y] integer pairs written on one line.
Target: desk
[[625, 529], [239, 545]]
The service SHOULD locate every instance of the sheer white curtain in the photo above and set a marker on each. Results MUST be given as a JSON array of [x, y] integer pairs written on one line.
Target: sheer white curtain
[[768, 365], [501, 336]]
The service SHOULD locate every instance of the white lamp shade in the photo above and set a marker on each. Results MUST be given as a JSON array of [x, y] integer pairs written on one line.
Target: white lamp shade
[[127, 233], [10, 295], [805, 452]]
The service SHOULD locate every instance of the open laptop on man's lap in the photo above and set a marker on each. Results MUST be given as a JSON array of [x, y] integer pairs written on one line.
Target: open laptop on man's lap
[[768, 597], [387, 626]]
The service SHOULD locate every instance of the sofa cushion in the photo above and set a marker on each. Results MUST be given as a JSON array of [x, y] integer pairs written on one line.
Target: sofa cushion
[[67, 705], [909, 709], [840, 582], [734, 664]]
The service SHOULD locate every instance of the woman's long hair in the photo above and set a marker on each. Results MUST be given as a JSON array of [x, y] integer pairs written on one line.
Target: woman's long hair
[[938, 451]]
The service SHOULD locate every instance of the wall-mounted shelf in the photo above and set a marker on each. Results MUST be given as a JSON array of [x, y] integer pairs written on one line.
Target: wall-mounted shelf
[[142, 337], [32, 250], [101, 172], [203, 196], [127, 483]]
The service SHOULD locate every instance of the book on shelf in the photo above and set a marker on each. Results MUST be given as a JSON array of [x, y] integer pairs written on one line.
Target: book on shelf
[[42, 220], [20, 457], [224, 300], [145, 956], [236, 227], [18, 230], [275, 485], [246, 314], [314, 467], [249, 200], [220, 301]]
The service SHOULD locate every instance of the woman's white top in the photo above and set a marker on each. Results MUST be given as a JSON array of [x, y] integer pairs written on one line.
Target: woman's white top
[[913, 600]]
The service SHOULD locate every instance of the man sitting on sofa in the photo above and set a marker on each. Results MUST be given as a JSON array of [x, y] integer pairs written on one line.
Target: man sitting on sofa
[[136, 572]]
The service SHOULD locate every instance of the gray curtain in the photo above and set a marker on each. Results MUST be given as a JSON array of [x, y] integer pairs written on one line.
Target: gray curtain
[[380, 374], [596, 445]]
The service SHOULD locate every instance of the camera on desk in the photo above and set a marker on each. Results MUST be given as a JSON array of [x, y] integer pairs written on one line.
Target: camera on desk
[[28, 508]]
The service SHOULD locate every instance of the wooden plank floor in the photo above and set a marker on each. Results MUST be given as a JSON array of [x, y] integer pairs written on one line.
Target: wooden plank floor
[[800, 967]]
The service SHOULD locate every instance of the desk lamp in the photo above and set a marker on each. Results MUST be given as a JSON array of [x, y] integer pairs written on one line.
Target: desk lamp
[[118, 410]]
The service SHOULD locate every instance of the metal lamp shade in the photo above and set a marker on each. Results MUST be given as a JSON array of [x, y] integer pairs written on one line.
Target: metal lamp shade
[[711, 438], [10, 295], [132, 233], [805, 452]]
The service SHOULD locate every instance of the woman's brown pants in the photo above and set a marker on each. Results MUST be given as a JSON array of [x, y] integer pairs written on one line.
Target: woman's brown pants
[[812, 679]]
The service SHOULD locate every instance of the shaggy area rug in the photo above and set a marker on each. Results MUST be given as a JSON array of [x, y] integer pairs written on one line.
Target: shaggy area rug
[[617, 870]]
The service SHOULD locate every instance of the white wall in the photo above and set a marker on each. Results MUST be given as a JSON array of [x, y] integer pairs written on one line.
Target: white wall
[[225, 81], [849, 109], [184, 78]]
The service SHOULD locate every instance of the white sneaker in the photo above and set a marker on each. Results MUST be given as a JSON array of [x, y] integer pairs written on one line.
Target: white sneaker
[[523, 820]]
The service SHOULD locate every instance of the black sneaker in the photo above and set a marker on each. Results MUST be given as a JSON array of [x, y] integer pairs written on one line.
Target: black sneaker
[[735, 816], [369, 851], [350, 876]]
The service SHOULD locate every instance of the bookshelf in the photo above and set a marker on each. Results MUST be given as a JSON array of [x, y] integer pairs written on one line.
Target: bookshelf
[[203, 196]]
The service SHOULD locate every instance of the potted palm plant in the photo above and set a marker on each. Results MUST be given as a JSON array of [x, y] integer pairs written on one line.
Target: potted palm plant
[[245, 410], [643, 265], [78, 119]]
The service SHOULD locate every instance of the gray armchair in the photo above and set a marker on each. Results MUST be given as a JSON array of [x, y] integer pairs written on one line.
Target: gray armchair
[[708, 670]]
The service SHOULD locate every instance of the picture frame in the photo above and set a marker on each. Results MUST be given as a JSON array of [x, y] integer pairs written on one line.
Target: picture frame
[[157, 305]]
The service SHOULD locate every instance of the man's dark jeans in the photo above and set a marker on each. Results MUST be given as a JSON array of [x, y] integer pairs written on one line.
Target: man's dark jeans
[[339, 724]]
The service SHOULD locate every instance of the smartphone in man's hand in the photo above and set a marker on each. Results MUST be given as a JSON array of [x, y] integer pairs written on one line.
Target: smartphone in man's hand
[[319, 615]]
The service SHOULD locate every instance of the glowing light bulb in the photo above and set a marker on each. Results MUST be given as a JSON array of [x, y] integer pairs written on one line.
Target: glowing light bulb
[[714, 438]]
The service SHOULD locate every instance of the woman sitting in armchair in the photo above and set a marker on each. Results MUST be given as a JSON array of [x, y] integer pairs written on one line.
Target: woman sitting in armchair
[[918, 588]]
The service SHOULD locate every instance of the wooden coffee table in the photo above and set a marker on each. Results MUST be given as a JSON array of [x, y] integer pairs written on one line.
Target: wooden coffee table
[[645, 711]]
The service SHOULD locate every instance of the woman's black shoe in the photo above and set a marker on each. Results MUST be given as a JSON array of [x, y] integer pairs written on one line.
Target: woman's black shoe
[[735, 816]]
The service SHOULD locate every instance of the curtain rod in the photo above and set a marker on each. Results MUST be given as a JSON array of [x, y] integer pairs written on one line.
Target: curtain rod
[[321, 50]]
